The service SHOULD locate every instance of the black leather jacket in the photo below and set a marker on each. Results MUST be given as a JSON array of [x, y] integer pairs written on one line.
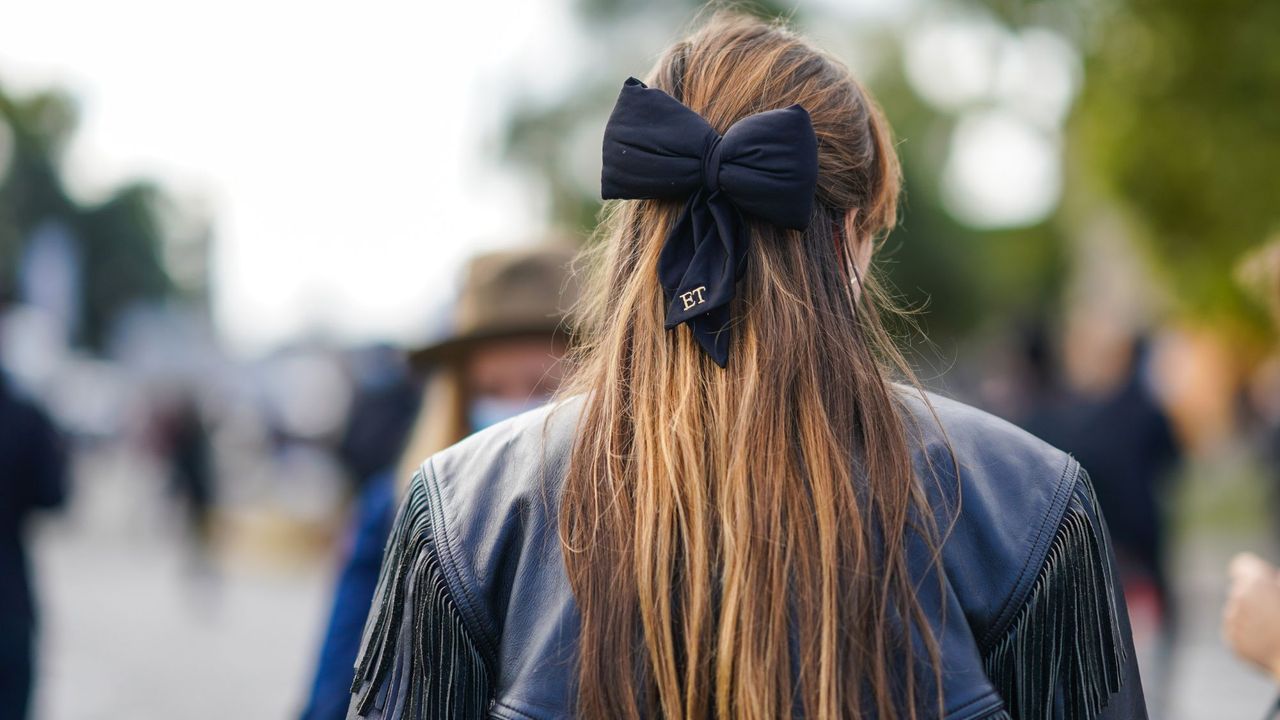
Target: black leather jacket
[[474, 616]]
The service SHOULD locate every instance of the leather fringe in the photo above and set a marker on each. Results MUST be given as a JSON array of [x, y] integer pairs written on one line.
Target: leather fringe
[[1066, 636], [417, 659]]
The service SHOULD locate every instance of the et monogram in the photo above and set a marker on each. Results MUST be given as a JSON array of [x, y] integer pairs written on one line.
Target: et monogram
[[693, 297]]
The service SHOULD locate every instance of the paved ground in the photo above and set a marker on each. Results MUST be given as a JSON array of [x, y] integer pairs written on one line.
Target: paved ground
[[1206, 682], [132, 632], [135, 629]]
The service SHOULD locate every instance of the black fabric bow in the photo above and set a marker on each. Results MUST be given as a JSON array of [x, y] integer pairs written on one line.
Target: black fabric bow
[[766, 165]]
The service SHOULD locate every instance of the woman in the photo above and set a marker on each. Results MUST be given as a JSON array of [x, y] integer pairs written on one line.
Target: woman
[[733, 511], [500, 358]]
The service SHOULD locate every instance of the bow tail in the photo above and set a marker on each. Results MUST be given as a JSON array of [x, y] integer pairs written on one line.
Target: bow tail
[[699, 266]]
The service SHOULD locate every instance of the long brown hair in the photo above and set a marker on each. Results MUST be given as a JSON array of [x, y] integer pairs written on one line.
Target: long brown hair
[[735, 538]]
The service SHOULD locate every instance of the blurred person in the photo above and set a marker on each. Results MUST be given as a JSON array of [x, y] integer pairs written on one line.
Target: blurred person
[[33, 468], [1126, 439], [1259, 409], [1258, 273], [731, 509], [1038, 389], [1251, 616], [1110, 420], [384, 407], [1120, 431], [501, 358], [186, 447]]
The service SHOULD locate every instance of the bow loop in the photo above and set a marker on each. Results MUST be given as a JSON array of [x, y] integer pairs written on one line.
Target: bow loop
[[653, 146], [765, 165], [766, 176]]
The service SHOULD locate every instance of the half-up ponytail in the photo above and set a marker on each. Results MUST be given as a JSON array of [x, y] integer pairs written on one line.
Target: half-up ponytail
[[736, 538]]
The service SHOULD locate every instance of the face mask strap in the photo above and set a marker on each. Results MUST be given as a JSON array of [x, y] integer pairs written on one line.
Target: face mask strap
[[840, 240]]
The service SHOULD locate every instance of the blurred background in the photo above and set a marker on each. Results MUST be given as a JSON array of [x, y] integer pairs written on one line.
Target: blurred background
[[223, 225]]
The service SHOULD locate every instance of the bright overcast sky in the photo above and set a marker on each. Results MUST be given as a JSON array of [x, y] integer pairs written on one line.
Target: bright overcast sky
[[343, 150]]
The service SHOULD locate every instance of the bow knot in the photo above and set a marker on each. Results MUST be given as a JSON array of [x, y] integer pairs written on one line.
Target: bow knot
[[711, 163], [765, 165]]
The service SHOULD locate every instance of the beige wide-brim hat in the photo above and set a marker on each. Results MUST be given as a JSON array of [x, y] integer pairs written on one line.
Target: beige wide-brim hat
[[522, 292]]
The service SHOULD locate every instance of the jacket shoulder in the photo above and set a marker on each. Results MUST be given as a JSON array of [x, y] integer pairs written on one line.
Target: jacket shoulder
[[498, 495], [998, 494], [473, 606], [500, 490], [1028, 559]]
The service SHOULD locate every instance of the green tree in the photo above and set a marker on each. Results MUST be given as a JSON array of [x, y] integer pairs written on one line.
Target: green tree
[[119, 241], [1180, 123]]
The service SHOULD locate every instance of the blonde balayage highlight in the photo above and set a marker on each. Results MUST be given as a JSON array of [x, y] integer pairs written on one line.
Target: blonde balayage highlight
[[736, 538]]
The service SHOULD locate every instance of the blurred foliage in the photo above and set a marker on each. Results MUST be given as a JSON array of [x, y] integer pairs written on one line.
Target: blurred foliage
[[961, 278], [536, 141], [1180, 121], [118, 241]]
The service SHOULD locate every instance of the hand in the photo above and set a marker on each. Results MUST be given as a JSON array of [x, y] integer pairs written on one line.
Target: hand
[[1251, 618]]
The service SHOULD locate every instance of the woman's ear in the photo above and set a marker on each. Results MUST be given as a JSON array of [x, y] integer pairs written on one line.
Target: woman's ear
[[859, 246]]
